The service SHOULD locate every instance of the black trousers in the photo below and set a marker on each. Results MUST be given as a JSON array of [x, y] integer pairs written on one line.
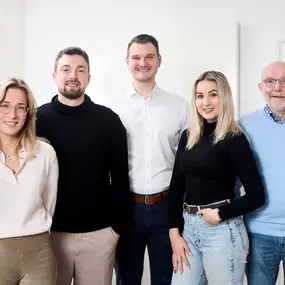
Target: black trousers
[[149, 228]]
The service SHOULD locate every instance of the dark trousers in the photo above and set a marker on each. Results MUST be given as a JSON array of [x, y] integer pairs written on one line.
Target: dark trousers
[[149, 228]]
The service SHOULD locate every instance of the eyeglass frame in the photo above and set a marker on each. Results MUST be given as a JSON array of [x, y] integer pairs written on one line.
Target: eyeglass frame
[[275, 80], [13, 107]]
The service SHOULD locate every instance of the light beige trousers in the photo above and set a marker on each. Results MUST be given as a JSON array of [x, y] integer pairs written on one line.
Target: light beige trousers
[[27, 260], [87, 258]]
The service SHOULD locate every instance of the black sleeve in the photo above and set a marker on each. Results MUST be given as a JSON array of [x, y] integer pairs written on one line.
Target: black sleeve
[[119, 174], [242, 159], [177, 187], [39, 123], [42, 128]]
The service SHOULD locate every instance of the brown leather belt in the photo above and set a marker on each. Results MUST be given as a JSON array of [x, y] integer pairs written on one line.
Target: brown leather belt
[[150, 199], [195, 209]]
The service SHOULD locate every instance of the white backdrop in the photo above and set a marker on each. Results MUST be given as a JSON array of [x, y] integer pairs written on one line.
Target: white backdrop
[[12, 39], [188, 45]]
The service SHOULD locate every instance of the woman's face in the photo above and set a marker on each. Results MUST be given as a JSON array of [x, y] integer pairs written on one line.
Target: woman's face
[[207, 100], [13, 112]]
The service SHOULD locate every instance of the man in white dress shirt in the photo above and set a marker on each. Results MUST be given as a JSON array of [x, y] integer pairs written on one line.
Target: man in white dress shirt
[[154, 120]]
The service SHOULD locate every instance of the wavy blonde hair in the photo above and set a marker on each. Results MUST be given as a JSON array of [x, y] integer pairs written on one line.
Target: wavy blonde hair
[[27, 135], [226, 123]]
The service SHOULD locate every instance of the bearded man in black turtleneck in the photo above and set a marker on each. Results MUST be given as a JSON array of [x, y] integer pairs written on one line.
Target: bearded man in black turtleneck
[[93, 187]]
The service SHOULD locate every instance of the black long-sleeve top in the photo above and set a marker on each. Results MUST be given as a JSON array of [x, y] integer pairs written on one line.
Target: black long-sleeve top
[[207, 173], [91, 145]]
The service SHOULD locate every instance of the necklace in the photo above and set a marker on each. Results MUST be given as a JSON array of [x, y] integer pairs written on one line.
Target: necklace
[[9, 155]]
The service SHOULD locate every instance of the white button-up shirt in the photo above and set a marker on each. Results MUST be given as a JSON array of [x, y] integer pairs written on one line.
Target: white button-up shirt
[[28, 197], [154, 127]]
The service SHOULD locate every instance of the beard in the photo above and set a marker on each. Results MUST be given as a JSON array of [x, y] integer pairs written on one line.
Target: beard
[[71, 94]]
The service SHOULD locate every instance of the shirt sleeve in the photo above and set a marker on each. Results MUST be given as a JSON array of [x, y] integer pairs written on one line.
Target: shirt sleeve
[[50, 188], [177, 187], [119, 174], [244, 164], [185, 123]]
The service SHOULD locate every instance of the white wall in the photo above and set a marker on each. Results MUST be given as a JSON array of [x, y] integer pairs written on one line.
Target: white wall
[[261, 28], [12, 38], [188, 45]]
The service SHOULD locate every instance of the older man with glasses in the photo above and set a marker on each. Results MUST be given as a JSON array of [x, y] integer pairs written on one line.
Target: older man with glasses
[[266, 131]]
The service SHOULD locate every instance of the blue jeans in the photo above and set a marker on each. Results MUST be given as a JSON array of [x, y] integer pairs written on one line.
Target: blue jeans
[[149, 229], [219, 252], [265, 255]]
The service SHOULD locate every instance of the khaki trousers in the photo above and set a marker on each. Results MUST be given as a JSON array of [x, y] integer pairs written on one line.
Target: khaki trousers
[[27, 260], [87, 258]]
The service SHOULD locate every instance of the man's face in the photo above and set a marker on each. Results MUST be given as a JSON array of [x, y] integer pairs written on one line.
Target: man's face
[[72, 76], [143, 62], [273, 87]]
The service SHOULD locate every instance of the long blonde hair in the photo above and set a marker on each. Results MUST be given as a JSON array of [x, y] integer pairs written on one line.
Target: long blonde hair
[[27, 135], [226, 123]]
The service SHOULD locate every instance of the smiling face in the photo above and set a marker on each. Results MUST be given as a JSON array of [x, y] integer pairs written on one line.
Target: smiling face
[[143, 62], [272, 87], [207, 100], [13, 112], [72, 76]]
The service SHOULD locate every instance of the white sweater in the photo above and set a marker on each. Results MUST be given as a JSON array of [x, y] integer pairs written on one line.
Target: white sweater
[[27, 198]]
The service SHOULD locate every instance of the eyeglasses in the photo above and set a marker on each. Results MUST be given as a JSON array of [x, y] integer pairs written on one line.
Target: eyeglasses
[[20, 110], [270, 82]]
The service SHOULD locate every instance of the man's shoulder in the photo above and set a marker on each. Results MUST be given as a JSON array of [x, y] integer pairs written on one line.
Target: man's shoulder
[[47, 107], [173, 96], [250, 118], [119, 104], [103, 110], [105, 113]]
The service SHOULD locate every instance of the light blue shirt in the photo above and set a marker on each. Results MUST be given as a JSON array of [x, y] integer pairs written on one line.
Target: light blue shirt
[[272, 116], [267, 138]]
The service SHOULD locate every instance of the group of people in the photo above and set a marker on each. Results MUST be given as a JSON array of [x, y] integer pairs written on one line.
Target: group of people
[[86, 188]]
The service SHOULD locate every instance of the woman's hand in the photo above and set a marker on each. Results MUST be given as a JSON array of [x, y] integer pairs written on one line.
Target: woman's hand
[[179, 247], [210, 216]]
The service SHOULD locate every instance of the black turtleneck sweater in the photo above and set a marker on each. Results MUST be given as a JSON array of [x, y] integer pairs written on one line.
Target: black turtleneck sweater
[[207, 173], [91, 146]]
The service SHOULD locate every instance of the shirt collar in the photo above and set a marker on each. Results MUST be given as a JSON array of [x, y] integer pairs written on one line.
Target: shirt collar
[[272, 116], [131, 91], [23, 154]]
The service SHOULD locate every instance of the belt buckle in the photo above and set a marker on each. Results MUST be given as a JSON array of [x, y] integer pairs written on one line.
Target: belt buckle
[[145, 200]]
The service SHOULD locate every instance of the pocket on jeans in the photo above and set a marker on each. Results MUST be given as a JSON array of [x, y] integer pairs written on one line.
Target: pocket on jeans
[[242, 232], [211, 226]]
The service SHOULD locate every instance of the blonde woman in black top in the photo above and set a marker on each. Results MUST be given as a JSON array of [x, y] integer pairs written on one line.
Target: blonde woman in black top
[[213, 246]]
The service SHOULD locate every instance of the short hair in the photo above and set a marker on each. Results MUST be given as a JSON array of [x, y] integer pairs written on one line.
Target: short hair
[[144, 39], [226, 123], [71, 51], [27, 135]]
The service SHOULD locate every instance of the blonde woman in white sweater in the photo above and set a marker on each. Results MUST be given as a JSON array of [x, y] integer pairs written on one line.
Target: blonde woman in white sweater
[[28, 189]]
